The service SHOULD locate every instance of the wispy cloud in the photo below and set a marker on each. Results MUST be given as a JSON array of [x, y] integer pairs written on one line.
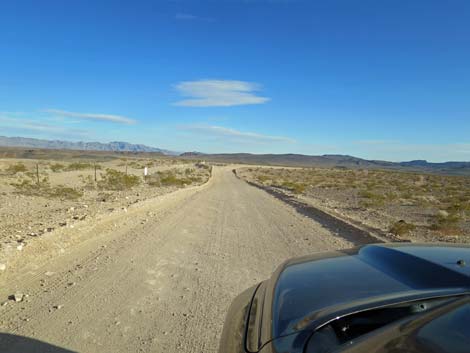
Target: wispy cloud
[[190, 17], [376, 142], [21, 124], [219, 132], [218, 93], [92, 116]]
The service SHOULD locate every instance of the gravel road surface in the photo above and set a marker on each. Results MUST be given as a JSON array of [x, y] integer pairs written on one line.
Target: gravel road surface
[[158, 278]]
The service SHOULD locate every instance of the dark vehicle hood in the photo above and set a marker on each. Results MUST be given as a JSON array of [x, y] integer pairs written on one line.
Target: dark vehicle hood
[[306, 293]]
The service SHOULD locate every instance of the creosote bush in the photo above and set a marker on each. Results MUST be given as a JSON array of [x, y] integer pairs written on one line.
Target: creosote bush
[[401, 228], [296, 188], [81, 166], [447, 222], [16, 168], [115, 180], [57, 167], [172, 178], [29, 187]]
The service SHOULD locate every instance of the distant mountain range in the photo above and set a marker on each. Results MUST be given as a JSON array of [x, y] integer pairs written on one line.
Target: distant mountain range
[[115, 146], [293, 160], [332, 160]]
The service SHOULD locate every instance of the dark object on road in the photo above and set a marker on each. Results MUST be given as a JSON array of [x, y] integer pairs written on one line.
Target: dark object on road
[[18, 344], [375, 298]]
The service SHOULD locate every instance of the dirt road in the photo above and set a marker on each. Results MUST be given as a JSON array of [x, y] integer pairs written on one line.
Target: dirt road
[[158, 278]]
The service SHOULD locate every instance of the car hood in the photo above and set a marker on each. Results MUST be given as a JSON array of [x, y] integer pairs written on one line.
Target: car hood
[[308, 292]]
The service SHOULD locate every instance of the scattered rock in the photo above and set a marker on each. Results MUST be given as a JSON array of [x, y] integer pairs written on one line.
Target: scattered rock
[[443, 213], [17, 297], [62, 224], [20, 247], [58, 307], [3, 267], [49, 273]]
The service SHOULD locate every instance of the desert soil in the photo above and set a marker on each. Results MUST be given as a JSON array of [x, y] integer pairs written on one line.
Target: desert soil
[[157, 278], [437, 206]]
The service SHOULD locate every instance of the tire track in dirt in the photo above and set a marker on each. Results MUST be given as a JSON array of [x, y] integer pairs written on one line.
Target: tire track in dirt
[[163, 285]]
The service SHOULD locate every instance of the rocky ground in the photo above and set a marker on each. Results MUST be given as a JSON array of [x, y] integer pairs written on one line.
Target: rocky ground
[[405, 206], [68, 194]]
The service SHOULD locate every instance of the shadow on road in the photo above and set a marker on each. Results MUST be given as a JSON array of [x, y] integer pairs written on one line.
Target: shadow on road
[[19, 344], [347, 231]]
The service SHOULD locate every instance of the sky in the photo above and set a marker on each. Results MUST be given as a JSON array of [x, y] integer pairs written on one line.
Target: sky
[[386, 79]]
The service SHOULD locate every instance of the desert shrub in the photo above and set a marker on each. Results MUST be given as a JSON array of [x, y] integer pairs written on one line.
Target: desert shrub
[[371, 195], [64, 192], [115, 180], [56, 167], [370, 199], [16, 168], [407, 195], [81, 166], [447, 222], [296, 188], [153, 180], [366, 194], [170, 179], [26, 187], [262, 178], [390, 196], [195, 179], [401, 228], [202, 165], [29, 188], [88, 181]]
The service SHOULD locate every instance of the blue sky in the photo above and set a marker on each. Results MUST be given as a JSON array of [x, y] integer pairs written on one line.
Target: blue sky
[[375, 79]]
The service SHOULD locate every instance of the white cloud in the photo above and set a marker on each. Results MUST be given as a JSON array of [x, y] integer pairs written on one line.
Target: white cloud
[[218, 93], [14, 123], [233, 135], [104, 117]]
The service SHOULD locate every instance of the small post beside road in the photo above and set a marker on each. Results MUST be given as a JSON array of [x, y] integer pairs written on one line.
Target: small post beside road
[[37, 173], [95, 171]]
